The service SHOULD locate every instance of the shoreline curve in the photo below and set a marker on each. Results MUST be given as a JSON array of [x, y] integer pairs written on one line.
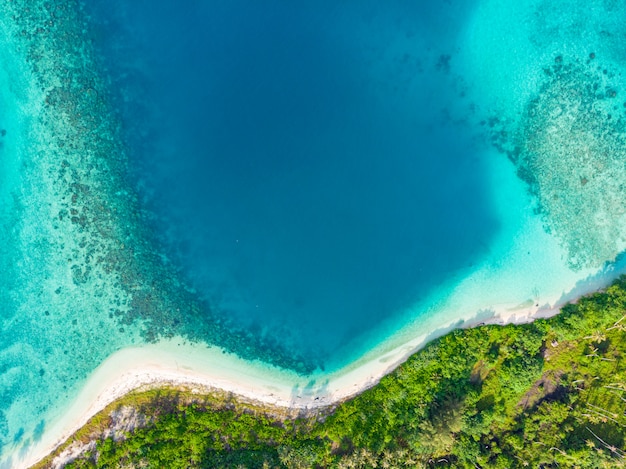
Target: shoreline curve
[[175, 363]]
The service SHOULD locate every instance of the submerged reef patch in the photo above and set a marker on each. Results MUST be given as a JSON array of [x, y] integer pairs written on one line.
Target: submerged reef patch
[[569, 146]]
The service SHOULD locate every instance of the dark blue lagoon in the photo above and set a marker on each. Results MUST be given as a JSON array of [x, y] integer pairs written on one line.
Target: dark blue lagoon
[[304, 162]]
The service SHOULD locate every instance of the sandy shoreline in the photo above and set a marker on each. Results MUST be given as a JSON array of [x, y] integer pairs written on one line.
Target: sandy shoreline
[[174, 363]]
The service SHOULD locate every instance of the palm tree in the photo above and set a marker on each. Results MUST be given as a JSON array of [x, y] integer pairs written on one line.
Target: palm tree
[[597, 337]]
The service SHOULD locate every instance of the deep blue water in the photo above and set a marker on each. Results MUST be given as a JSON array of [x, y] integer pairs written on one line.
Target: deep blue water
[[301, 160]]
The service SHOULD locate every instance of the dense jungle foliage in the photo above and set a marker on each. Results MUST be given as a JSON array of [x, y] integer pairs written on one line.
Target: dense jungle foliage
[[548, 394]]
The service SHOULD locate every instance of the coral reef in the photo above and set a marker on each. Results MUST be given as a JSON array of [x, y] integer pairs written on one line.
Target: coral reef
[[570, 147]]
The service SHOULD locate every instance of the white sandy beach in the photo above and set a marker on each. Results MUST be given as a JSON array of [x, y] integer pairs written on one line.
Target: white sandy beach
[[176, 363]]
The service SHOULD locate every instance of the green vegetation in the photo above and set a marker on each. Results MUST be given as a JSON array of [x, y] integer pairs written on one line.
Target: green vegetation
[[548, 394]]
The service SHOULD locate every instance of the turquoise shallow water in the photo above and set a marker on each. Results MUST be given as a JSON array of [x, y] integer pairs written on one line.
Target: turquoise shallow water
[[293, 184]]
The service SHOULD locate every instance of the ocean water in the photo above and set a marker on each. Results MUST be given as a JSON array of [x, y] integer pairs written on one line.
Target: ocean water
[[304, 160], [303, 185]]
